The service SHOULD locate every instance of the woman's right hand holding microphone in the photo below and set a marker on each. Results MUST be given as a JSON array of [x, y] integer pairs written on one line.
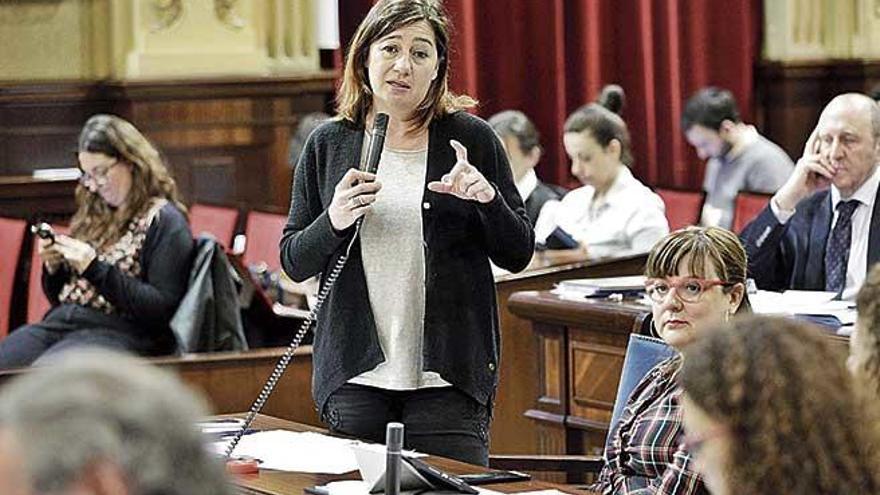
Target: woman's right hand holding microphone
[[352, 198]]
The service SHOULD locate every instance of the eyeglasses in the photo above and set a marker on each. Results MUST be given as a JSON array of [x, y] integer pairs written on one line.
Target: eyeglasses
[[98, 177], [694, 443], [688, 289]]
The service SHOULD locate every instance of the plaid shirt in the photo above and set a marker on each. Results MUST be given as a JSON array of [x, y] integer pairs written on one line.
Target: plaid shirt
[[645, 454]]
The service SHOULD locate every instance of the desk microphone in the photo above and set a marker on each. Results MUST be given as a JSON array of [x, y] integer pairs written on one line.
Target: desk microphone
[[393, 445]]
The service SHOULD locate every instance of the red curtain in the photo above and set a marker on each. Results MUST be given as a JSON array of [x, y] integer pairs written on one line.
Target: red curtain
[[548, 57]]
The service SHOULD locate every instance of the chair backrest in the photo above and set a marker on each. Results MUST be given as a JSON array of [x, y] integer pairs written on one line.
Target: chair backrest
[[219, 221], [746, 208], [263, 233], [37, 303], [642, 354], [683, 208], [11, 242]]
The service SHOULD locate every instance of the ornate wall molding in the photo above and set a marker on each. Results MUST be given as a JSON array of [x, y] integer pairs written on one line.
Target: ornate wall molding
[[166, 13]]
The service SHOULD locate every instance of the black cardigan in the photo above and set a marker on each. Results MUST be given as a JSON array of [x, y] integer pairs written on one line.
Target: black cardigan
[[150, 301], [461, 339]]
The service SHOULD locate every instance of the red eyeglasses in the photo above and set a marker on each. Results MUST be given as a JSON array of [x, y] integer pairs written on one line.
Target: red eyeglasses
[[688, 289]]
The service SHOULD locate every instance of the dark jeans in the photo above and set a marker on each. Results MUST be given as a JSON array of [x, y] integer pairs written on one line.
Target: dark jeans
[[72, 327], [439, 421]]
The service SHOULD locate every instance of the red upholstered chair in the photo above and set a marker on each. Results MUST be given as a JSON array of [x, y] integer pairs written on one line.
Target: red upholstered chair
[[683, 207], [37, 303], [219, 221], [263, 232], [11, 242], [747, 206]]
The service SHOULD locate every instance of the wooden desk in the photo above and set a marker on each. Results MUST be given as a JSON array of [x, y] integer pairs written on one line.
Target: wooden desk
[[511, 432], [581, 345], [283, 483], [232, 380], [22, 196], [580, 349]]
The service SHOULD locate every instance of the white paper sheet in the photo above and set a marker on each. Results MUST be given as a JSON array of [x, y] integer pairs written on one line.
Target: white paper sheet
[[799, 302], [303, 452]]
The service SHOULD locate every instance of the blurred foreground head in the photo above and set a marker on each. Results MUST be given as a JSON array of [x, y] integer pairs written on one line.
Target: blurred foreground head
[[100, 423]]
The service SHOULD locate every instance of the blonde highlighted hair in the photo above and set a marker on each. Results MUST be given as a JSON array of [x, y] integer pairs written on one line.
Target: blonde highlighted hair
[[97, 222], [355, 97]]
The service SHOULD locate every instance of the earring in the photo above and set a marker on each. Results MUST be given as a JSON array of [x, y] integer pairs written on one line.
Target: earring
[[727, 315]]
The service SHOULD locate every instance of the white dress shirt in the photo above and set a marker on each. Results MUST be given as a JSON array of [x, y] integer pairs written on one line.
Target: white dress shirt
[[526, 185], [629, 219], [857, 266]]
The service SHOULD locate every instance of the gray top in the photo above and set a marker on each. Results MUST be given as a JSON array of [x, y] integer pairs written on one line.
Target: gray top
[[761, 166], [394, 265]]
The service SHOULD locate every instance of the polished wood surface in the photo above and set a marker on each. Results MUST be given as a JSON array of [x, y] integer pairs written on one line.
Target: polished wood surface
[[226, 139], [282, 483], [23, 196], [512, 432], [581, 346], [232, 380]]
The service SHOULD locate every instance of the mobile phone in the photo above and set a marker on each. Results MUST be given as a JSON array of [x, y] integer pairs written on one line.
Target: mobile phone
[[44, 231]]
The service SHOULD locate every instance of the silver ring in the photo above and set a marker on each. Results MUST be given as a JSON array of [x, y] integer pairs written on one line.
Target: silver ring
[[358, 201]]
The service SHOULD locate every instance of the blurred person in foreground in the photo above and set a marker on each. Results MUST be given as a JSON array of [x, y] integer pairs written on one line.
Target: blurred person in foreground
[[769, 408], [864, 343], [100, 423], [118, 278]]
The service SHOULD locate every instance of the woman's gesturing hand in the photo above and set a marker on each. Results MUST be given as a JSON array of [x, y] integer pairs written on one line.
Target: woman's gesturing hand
[[464, 180], [352, 198]]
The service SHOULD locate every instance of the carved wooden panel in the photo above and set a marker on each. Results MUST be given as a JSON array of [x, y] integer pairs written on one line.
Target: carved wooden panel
[[226, 140], [594, 375], [552, 370]]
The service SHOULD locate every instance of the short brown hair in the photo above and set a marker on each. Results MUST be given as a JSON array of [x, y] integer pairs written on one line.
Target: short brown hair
[[354, 99], [797, 423], [701, 245]]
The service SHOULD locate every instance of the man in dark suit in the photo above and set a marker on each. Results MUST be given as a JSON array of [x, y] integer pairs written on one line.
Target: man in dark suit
[[522, 142], [816, 237]]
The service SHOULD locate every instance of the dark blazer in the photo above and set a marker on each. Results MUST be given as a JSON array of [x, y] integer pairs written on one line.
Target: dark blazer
[[461, 336], [792, 256], [536, 200]]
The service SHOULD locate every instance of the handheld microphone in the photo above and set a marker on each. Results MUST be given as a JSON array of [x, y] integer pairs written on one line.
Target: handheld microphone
[[393, 446], [380, 128]]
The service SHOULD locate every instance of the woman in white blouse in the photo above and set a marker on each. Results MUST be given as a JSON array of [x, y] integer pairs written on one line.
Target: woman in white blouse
[[613, 214]]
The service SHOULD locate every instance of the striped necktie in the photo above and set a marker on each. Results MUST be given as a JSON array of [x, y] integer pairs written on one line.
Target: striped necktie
[[837, 249]]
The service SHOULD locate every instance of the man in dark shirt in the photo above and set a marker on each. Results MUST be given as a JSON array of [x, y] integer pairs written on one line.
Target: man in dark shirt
[[522, 143], [738, 157]]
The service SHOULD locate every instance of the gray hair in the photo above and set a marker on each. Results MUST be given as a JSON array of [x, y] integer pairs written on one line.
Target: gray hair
[[97, 405]]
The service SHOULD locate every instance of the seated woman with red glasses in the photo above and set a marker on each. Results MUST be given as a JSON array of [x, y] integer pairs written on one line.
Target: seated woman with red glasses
[[769, 408], [695, 279], [117, 280]]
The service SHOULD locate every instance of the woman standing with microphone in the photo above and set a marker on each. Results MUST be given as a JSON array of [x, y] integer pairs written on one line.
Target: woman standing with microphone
[[409, 332]]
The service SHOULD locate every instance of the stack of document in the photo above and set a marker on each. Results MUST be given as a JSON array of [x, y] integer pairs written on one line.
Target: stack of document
[[804, 303], [601, 287]]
